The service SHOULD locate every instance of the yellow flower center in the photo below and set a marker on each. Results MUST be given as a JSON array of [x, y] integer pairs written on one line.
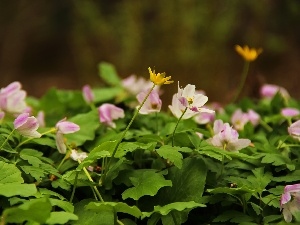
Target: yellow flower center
[[190, 100]]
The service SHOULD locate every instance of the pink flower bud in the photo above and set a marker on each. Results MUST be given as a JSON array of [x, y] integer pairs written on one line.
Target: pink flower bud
[[88, 94], [12, 98], [290, 112], [27, 125], [108, 113], [269, 90]]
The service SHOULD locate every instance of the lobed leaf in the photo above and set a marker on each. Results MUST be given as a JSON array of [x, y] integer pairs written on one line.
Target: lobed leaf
[[117, 207], [147, 183], [171, 153]]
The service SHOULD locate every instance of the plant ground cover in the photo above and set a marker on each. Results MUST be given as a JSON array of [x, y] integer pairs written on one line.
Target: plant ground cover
[[109, 155]]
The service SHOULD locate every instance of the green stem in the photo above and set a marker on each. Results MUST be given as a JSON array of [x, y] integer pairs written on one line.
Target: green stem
[[74, 187], [173, 134], [90, 179], [266, 126], [123, 135], [47, 132], [7, 138], [67, 155], [242, 82]]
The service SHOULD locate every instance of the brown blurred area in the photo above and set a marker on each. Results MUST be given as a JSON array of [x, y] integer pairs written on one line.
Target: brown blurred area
[[59, 43]]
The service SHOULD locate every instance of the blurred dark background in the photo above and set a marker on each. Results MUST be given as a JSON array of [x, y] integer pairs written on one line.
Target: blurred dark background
[[60, 43]]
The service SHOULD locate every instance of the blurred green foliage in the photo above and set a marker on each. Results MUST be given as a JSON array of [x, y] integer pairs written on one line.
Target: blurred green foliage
[[60, 43]]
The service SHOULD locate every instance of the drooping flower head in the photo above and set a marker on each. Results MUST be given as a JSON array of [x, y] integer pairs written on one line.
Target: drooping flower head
[[227, 138], [159, 78], [269, 91], [152, 104], [64, 127], [249, 54], [12, 98], [27, 125], [88, 94], [108, 113], [294, 130], [290, 201]]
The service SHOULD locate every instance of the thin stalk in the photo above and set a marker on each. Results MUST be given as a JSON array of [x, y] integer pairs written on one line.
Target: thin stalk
[[47, 132], [67, 155], [265, 125], [123, 135], [90, 179], [74, 187], [7, 138], [173, 134], [242, 82]]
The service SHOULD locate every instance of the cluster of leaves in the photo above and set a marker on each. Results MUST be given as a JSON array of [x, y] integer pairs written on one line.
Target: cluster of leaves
[[149, 181]]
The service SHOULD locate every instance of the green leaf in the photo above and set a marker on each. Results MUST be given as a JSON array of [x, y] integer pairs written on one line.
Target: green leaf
[[62, 184], [257, 209], [106, 94], [9, 174], [277, 160], [36, 210], [88, 217], [260, 179], [101, 151], [147, 183], [36, 172], [187, 183], [61, 217], [233, 191], [178, 206], [66, 206], [132, 146], [45, 191], [109, 74], [60, 103], [271, 218], [233, 216], [12, 189], [117, 207], [171, 153], [212, 151], [88, 123]]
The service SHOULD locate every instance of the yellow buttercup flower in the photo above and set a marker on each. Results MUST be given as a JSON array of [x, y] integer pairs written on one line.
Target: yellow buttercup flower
[[159, 78], [249, 54]]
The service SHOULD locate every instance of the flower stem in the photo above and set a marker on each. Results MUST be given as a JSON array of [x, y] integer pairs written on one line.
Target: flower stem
[[74, 187], [7, 138], [266, 126], [173, 134], [242, 82], [47, 132], [123, 135], [64, 159], [90, 179]]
